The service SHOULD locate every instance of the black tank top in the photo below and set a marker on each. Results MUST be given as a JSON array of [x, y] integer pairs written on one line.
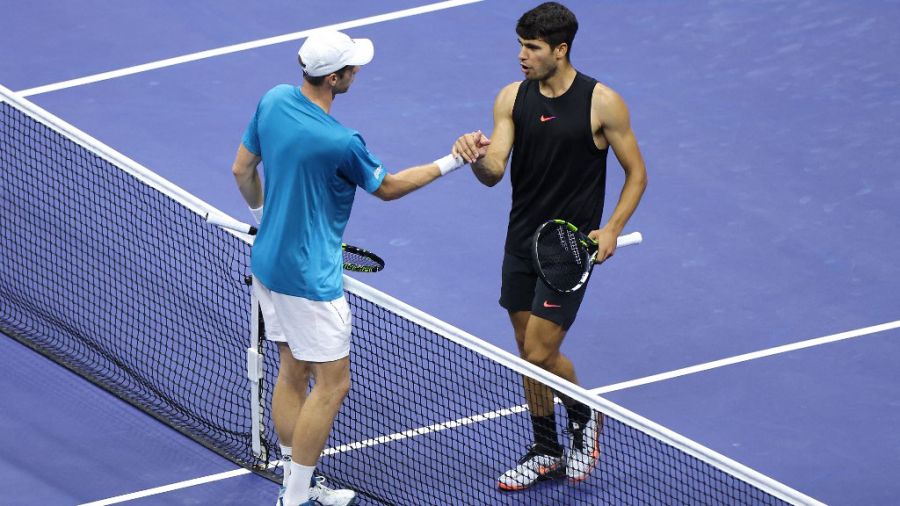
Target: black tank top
[[557, 171]]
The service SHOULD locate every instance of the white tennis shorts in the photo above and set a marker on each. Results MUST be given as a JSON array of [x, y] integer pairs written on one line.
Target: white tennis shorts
[[316, 331]]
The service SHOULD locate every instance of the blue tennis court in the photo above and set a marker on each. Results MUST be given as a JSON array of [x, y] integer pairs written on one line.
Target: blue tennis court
[[759, 318]]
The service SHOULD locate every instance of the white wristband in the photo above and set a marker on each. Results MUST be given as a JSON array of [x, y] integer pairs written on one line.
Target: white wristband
[[449, 163], [257, 214]]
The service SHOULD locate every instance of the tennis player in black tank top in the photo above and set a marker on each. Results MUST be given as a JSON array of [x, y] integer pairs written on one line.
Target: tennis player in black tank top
[[558, 124], [557, 170]]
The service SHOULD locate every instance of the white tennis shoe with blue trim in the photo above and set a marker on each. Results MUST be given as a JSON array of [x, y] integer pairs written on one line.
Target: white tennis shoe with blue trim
[[321, 495]]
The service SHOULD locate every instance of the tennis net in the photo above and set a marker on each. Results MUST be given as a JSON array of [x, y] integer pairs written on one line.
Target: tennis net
[[111, 271]]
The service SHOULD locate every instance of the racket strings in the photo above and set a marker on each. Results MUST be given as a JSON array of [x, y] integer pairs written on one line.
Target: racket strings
[[561, 256], [358, 262]]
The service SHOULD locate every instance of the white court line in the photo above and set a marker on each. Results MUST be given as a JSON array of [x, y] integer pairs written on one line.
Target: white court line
[[428, 429], [168, 488], [243, 47], [398, 436], [748, 356], [521, 408]]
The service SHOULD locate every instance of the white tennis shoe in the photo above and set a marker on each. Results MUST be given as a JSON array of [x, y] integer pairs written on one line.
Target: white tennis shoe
[[532, 468], [322, 495], [584, 448]]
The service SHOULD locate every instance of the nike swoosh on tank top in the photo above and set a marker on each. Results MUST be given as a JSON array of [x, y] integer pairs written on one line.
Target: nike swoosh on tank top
[[557, 171]]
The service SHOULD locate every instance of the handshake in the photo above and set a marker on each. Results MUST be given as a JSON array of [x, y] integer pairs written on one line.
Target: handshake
[[469, 148]]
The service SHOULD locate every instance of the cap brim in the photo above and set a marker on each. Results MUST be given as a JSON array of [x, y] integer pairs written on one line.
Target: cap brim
[[363, 52]]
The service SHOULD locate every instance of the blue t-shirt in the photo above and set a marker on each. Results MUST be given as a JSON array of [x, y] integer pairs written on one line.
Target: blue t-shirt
[[312, 165]]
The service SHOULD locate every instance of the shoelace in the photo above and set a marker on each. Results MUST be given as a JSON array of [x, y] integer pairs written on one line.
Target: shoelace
[[576, 432], [533, 452]]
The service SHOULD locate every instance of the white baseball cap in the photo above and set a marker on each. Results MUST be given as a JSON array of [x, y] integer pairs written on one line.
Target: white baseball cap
[[328, 51]]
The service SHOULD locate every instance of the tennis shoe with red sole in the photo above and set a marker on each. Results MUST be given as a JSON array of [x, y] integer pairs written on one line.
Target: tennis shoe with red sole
[[584, 448], [533, 467]]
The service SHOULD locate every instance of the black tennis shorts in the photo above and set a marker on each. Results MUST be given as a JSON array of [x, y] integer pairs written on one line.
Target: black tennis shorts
[[521, 289]]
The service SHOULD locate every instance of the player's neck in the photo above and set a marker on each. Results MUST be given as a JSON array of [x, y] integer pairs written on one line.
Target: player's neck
[[319, 95], [560, 82]]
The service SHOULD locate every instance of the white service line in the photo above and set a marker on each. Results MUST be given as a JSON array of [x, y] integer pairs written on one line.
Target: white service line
[[168, 488], [521, 408], [398, 436], [428, 429], [371, 20], [747, 356]]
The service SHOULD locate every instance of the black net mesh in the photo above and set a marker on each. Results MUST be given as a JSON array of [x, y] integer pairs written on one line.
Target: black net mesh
[[124, 285], [131, 289]]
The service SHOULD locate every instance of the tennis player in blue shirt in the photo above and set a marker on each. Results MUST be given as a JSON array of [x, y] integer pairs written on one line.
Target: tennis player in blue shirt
[[313, 165]]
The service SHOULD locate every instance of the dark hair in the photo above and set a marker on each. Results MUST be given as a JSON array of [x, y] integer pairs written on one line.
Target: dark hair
[[318, 80], [551, 22]]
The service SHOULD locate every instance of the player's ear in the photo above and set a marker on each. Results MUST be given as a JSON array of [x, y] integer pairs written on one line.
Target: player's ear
[[561, 50]]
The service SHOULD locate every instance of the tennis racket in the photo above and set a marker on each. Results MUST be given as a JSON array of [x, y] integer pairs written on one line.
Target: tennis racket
[[355, 259], [564, 256]]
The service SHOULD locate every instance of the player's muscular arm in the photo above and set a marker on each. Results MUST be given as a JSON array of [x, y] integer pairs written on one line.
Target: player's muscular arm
[[490, 167], [609, 116]]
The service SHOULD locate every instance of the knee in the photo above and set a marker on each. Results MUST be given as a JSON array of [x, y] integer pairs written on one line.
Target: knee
[[337, 389], [539, 356]]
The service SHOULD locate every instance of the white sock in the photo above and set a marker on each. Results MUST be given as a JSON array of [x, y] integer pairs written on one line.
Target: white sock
[[285, 464], [298, 488]]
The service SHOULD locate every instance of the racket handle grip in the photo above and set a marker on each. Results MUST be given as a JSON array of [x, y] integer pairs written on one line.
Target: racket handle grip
[[629, 239], [229, 223]]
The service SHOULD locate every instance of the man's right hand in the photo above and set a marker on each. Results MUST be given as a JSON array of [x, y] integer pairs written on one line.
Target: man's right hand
[[472, 146]]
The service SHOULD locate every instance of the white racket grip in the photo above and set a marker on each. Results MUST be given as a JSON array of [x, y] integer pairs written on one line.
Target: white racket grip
[[629, 239], [230, 223]]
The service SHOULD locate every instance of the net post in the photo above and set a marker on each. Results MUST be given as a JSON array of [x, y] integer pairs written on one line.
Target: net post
[[255, 373]]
